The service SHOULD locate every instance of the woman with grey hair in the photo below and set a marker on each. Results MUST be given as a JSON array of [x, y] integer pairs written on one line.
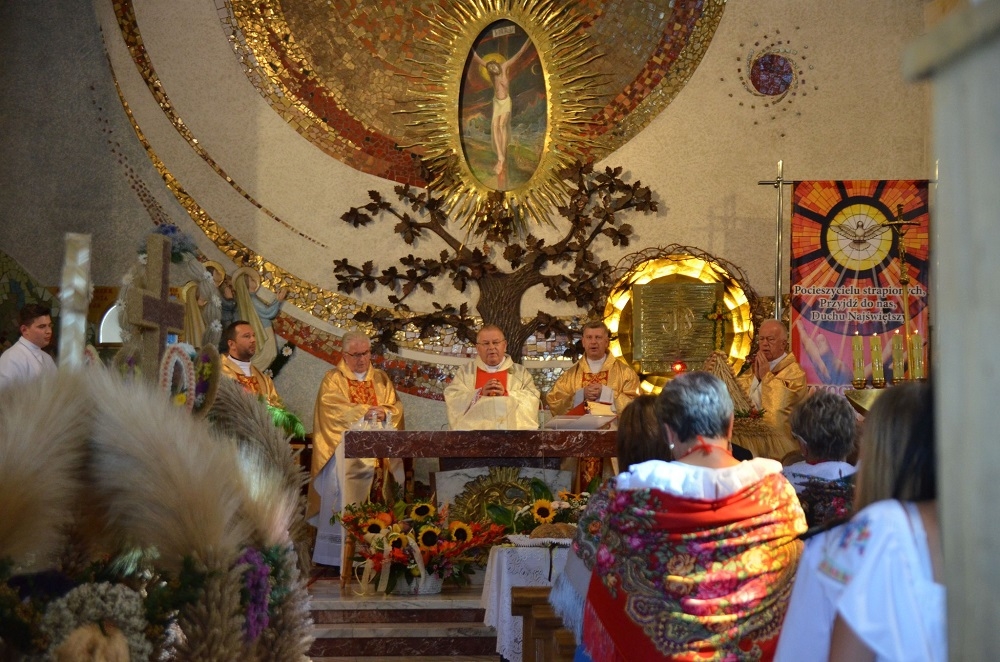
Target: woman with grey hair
[[690, 559], [825, 427]]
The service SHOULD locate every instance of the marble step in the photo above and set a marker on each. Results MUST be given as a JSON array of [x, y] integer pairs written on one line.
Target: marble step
[[352, 626], [410, 639], [400, 658]]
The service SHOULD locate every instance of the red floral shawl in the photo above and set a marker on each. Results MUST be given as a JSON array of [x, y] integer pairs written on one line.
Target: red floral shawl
[[683, 579]]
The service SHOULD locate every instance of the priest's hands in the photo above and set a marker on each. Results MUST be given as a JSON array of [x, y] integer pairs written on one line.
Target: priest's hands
[[493, 388], [592, 391], [761, 366], [375, 414]]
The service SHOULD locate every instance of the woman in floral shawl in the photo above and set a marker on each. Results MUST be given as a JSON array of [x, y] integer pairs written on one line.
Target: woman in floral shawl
[[691, 559]]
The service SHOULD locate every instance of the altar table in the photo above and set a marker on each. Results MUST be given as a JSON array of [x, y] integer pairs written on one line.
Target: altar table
[[516, 566]]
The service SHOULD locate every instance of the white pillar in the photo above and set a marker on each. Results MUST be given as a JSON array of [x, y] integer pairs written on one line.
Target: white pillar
[[962, 57]]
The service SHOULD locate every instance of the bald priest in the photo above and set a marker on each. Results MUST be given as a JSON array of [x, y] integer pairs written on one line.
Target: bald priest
[[492, 392]]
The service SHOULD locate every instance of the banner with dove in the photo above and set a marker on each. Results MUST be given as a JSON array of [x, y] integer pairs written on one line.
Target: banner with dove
[[859, 281]]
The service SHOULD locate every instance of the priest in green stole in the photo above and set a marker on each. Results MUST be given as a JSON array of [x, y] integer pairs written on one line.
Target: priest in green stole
[[354, 393], [492, 392]]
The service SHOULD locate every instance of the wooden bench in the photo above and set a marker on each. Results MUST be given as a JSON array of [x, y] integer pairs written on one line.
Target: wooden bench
[[543, 637]]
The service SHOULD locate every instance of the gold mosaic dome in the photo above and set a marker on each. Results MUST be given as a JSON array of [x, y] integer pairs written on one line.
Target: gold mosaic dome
[[341, 72]]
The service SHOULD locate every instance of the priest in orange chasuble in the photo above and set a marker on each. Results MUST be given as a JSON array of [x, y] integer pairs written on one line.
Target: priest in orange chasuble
[[354, 394], [597, 377], [492, 392], [241, 343]]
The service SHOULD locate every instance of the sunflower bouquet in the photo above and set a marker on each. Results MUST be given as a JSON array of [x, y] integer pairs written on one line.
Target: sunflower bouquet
[[525, 516], [415, 541]]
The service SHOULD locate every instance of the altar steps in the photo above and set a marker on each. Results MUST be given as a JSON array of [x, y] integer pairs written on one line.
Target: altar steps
[[370, 628]]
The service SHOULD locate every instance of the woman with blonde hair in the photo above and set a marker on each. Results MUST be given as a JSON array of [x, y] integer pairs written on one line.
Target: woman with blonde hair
[[870, 589]]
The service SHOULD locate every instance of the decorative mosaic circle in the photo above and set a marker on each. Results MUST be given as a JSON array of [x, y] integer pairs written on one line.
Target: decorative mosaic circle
[[774, 72], [771, 74]]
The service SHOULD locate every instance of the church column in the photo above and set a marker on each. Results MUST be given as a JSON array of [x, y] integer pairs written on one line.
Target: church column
[[962, 57]]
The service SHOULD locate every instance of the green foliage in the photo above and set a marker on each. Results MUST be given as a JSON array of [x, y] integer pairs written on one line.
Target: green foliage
[[539, 490]]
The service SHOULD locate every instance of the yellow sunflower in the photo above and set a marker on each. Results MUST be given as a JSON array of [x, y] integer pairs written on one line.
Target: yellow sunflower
[[374, 525], [542, 510], [460, 531], [422, 510], [428, 537]]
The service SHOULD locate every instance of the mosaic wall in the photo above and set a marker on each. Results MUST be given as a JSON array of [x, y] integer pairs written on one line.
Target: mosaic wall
[[339, 72], [235, 121]]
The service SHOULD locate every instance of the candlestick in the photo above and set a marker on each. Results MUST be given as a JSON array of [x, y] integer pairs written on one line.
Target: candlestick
[[878, 374], [75, 298], [916, 356], [897, 357], [859, 361]]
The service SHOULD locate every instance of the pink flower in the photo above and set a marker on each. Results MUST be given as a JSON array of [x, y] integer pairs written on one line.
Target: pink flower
[[605, 559], [718, 585]]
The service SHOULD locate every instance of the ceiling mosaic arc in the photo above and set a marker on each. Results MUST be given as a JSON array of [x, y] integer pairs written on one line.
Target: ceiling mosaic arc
[[339, 72], [355, 62]]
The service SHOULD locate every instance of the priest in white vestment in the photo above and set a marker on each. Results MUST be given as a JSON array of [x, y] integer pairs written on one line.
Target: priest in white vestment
[[492, 392]]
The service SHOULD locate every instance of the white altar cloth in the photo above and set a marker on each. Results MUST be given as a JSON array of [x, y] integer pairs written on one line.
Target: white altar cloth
[[517, 566]]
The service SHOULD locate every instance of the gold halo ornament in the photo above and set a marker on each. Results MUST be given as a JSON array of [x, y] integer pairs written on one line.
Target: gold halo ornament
[[564, 50], [667, 267]]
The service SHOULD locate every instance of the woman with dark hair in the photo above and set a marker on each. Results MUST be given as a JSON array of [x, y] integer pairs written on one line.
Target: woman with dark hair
[[691, 559], [869, 589], [640, 435]]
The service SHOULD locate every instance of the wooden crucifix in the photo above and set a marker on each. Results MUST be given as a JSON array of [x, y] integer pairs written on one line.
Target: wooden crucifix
[[151, 309], [75, 297]]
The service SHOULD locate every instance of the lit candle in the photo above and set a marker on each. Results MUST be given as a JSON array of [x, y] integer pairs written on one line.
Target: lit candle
[[897, 357], [916, 356], [859, 358], [876, 349]]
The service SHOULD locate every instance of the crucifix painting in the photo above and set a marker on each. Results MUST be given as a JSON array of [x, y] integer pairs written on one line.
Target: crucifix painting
[[503, 107]]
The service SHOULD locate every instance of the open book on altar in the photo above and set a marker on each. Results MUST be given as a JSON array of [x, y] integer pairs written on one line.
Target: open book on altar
[[585, 416]]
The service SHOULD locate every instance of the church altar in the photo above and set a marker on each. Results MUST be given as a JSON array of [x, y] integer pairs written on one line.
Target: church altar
[[482, 447], [509, 567]]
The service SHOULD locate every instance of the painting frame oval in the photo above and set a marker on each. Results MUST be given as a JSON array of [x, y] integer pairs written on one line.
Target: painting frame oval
[[503, 107], [555, 35]]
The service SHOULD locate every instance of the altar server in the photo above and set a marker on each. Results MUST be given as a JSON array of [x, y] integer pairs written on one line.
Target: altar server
[[26, 359]]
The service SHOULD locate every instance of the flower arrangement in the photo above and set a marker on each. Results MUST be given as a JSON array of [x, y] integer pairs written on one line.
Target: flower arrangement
[[524, 516], [180, 243], [409, 541]]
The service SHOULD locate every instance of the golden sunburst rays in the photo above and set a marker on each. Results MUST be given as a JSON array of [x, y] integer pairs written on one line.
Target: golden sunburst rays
[[571, 87]]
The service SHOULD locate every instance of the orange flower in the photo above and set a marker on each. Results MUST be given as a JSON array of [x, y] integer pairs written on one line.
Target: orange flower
[[385, 518]]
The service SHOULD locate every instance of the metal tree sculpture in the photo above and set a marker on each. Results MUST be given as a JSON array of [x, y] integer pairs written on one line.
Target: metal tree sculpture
[[596, 202]]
